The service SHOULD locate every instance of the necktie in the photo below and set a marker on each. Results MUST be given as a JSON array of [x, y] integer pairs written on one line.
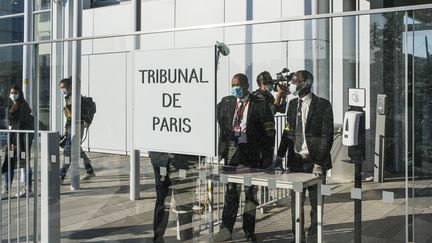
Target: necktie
[[299, 128], [238, 117]]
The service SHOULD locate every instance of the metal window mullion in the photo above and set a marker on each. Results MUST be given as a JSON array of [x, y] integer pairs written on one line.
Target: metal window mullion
[[1, 200], [27, 158], [18, 160], [12, 16], [41, 11], [406, 131], [8, 184], [235, 24]]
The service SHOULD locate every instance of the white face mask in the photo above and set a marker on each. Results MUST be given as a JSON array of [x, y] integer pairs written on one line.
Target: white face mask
[[14, 97], [293, 89]]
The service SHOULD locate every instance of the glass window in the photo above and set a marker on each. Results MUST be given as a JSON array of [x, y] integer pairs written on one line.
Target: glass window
[[41, 4], [10, 73], [42, 26], [11, 30], [11, 7]]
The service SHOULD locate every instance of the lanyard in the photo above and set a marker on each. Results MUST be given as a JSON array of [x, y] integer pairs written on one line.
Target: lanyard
[[239, 114]]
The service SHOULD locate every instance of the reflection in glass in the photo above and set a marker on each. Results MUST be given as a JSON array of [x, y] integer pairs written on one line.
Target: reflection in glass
[[11, 30], [11, 7], [41, 4]]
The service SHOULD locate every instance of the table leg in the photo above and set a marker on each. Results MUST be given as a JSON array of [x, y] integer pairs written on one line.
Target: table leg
[[298, 228], [320, 212]]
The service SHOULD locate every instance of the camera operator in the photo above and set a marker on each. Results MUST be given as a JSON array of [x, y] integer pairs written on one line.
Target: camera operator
[[263, 93]]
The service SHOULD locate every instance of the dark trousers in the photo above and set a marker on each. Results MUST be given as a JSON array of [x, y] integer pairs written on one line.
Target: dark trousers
[[182, 190], [240, 155], [232, 200], [9, 172], [306, 166], [67, 153]]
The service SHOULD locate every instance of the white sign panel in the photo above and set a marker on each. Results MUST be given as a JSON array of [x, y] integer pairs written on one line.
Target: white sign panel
[[174, 101]]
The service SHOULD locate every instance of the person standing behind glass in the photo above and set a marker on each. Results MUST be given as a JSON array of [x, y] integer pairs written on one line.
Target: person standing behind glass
[[263, 93], [166, 167], [246, 139], [19, 118], [308, 138], [66, 87]]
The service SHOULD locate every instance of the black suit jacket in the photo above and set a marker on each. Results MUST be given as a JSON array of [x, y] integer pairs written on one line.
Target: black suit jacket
[[318, 131], [260, 129]]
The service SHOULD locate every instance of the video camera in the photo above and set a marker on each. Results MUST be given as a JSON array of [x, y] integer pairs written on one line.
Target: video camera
[[282, 79]]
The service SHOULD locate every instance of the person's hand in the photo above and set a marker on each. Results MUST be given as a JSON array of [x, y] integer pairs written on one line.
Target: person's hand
[[282, 90], [317, 170]]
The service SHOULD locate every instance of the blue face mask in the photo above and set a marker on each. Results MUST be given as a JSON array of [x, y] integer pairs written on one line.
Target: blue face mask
[[269, 87], [237, 91], [65, 92], [14, 97]]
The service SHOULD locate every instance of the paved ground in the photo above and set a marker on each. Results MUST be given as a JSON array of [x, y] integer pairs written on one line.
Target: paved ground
[[102, 212]]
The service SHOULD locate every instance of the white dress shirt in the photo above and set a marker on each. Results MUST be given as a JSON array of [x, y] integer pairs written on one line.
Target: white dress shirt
[[305, 111]]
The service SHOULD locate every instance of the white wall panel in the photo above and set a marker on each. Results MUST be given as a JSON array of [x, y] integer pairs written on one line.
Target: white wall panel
[[108, 88], [237, 10], [157, 15], [112, 20], [198, 38], [265, 57], [199, 12], [296, 55], [87, 30], [194, 13], [338, 82]]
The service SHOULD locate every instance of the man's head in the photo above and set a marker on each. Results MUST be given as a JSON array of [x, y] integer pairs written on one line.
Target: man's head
[[302, 82], [66, 85], [265, 81], [239, 85]]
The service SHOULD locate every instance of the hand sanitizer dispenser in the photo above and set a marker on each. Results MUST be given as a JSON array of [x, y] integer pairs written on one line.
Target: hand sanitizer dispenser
[[350, 135]]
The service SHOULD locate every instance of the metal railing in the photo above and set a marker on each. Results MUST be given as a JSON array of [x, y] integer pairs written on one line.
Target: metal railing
[[25, 207]]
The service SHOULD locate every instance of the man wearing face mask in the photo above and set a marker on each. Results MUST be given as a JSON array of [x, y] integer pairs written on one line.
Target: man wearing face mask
[[66, 87], [263, 93], [246, 139], [308, 138]]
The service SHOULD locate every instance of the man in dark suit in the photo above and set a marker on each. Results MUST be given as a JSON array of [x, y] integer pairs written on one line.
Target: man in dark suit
[[308, 138], [263, 93], [166, 168], [246, 139]]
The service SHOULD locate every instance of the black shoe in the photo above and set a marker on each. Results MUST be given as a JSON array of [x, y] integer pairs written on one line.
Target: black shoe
[[223, 235], [251, 237], [159, 240]]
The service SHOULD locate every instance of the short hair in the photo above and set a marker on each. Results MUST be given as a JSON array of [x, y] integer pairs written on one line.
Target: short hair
[[264, 77], [66, 81], [242, 79], [308, 77]]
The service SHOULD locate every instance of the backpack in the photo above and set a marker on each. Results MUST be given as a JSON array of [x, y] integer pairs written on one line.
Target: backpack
[[88, 109]]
